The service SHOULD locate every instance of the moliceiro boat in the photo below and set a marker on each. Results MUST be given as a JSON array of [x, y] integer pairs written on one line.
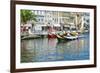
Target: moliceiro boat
[[60, 38], [71, 36], [67, 36], [51, 33], [51, 36]]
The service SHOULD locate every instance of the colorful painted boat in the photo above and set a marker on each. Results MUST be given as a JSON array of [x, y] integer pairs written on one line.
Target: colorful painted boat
[[51, 33], [52, 36], [68, 36], [60, 38], [71, 36]]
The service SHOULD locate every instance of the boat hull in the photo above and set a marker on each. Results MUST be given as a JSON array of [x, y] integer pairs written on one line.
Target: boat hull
[[52, 36], [60, 38], [71, 37]]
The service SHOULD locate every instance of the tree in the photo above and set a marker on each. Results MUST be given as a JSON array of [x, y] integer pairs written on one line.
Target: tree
[[27, 15]]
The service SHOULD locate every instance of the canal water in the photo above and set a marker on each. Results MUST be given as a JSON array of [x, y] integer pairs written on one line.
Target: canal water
[[45, 50]]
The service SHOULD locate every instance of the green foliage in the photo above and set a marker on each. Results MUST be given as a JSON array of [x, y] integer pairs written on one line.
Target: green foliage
[[27, 15]]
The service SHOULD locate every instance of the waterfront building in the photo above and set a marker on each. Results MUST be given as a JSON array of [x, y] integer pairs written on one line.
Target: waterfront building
[[59, 20]]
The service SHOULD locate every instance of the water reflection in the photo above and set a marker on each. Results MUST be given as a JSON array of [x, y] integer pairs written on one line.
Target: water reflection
[[44, 49]]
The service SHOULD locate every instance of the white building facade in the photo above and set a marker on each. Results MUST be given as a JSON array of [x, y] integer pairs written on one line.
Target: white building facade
[[59, 19]]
